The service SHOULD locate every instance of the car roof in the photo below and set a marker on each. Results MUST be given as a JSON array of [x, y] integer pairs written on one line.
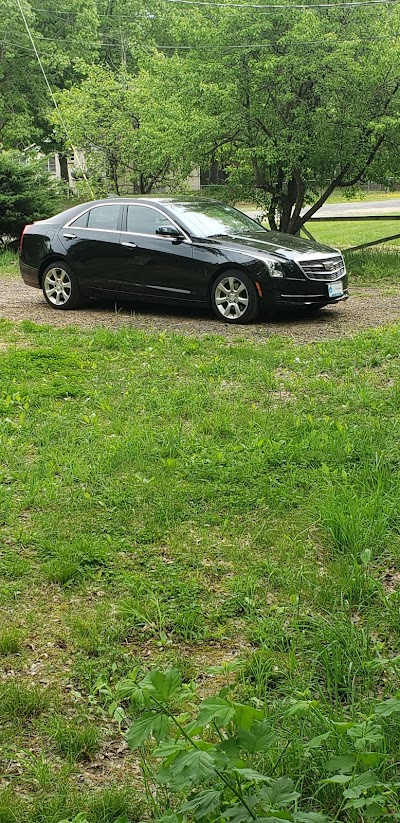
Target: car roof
[[74, 211]]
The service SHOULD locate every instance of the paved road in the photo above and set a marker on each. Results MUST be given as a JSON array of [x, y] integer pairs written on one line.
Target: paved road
[[363, 207]]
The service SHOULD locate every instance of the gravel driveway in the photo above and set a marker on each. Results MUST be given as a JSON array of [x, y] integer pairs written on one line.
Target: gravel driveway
[[367, 308]]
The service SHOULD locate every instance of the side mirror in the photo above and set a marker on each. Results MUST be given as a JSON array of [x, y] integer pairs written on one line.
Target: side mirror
[[170, 231]]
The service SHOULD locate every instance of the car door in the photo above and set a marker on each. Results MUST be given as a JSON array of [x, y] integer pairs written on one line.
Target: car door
[[92, 244], [153, 266]]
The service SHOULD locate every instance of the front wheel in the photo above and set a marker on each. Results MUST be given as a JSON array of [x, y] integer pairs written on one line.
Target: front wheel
[[234, 298], [60, 287]]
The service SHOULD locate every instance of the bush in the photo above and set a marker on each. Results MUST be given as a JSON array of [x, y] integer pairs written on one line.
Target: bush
[[299, 762], [27, 193]]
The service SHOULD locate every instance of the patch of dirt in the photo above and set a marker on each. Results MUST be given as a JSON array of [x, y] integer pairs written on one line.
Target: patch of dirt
[[391, 580], [366, 308]]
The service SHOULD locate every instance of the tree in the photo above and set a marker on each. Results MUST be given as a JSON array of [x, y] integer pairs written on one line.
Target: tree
[[27, 193], [302, 101], [133, 129]]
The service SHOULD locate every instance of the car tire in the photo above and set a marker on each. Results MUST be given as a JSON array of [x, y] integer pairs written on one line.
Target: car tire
[[60, 286], [234, 298]]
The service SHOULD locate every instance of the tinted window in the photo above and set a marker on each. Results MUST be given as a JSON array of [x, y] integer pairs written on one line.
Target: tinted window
[[104, 217], [81, 222], [145, 220]]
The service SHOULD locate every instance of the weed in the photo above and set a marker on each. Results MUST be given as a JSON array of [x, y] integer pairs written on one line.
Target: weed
[[230, 756], [262, 674], [357, 523], [75, 739], [21, 702], [10, 641], [12, 808], [337, 655]]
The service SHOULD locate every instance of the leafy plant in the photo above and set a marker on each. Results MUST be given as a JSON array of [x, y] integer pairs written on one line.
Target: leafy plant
[[223, 759]]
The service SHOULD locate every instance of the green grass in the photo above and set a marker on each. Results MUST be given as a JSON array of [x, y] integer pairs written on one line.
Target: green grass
[[19, 701], [9, 264], [76, 740], [354, 233], [339, 197], [161, 504]]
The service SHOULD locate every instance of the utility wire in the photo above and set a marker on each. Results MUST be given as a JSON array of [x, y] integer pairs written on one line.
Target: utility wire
[[286, 7], [263, 8], [268, 45], [50, 90]]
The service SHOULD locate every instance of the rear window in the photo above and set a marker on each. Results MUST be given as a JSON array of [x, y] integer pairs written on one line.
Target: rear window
[[100, 217], [104, 217], [81, 221]]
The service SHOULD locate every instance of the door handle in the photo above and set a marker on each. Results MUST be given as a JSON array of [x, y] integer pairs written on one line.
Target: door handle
[[130, 245], [69, 236]]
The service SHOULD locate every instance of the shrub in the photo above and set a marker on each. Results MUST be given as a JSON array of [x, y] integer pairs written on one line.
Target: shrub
[[27, 193]]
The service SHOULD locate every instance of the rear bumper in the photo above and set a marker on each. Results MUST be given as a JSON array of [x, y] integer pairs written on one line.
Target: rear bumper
[[29, 275]]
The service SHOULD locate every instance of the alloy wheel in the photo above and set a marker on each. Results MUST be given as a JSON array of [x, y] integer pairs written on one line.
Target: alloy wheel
[[58, 286], [231, 297]]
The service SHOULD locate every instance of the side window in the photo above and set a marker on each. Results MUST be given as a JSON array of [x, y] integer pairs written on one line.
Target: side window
[[104, 217], [81, 222], [145, 220]]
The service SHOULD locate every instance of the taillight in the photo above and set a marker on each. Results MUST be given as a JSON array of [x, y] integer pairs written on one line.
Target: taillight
[[22, 236]]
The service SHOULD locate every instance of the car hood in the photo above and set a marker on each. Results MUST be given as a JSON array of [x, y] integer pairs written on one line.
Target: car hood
[[280, 245]]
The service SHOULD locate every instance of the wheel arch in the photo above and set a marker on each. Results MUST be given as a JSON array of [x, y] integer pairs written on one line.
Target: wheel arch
[[52, 258], [229, 267]]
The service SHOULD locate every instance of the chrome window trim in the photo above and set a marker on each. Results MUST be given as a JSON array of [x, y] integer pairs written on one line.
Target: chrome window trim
[[187, 240], [85, 211], [92, 228], [137, 234]]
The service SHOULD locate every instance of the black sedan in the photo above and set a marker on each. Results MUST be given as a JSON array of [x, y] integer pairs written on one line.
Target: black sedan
[[177, 250]]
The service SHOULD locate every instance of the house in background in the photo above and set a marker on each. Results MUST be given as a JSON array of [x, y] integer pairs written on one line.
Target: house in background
[[63, 166]]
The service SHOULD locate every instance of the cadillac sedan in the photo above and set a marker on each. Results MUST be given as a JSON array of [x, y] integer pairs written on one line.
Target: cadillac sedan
[[195, 252]]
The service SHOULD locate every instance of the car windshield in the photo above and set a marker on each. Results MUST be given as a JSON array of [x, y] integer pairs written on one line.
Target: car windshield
[[216, 220]]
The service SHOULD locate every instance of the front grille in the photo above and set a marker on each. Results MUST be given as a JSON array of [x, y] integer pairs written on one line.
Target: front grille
[[323, 268]]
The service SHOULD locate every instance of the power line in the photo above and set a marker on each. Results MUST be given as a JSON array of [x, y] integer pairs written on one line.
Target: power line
[[287, 6], [265, 9], [62, 14], [219, 47], [62, 121]]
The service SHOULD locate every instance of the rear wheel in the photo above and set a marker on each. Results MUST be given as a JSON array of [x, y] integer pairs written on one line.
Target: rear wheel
[[60, 287], [234, 298]]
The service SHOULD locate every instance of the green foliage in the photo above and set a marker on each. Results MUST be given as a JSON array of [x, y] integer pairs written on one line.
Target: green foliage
[[277, 108], [219, 758], [27, 193], [132, 129], [151, 91]]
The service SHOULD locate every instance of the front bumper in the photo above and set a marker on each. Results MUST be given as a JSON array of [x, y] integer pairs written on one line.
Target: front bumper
[[293, 291], [293, 300]]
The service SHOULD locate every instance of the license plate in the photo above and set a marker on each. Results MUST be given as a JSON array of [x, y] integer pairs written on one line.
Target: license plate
[[335, 289]]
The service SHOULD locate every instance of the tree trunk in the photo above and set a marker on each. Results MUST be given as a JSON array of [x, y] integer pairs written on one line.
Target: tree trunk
[[64, 167]]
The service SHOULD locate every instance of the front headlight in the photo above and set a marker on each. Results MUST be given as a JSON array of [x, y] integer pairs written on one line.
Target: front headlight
[[274, 268]]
